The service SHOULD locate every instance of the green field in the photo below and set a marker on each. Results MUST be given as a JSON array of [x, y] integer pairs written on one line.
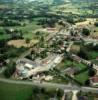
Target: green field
[[93, 54], [15, 92], [5, 36], [74, 8], [25, 92], [68, 63], [28, 30], [82, 77]]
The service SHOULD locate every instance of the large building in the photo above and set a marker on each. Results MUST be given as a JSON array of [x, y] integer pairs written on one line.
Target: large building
[[26, 68]]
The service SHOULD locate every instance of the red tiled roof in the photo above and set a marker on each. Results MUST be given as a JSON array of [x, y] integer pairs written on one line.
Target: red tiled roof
[[94, 79]]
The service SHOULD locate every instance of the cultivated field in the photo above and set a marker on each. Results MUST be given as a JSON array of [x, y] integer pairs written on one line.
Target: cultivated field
[[22, 43]]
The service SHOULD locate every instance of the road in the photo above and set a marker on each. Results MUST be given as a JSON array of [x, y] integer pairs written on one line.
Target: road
[[52, 85], [74, 97]]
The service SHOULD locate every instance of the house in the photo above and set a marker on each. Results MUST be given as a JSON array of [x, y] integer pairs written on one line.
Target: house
[[94, 81], [29, 66], [71, 71], [76, 58]]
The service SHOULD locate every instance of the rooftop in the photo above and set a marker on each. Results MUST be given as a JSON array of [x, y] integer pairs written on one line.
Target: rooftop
[[94, 79]]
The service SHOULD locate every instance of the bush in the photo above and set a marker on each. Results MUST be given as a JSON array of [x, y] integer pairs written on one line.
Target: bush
[[86, 31], [83, 53], [96, 24], [10, 70], [70, 20], [91, 72], [87, 82]]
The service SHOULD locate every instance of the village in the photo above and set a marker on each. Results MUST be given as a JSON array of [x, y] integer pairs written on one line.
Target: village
[[59, 47], [48, 50]]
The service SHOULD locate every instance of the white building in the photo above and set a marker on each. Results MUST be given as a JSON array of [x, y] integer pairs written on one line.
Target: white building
[[27, 68]]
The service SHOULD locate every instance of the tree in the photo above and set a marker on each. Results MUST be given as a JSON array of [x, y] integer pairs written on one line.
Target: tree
[[86, 31], [59, 93], [44, 53], [71, 20], [87, 82], [91, 72], [96, 24], [10, 70], [37, 33], [27, 41], [42, 39], [41, 44], [61, 23], [72, 33], [83, 53]]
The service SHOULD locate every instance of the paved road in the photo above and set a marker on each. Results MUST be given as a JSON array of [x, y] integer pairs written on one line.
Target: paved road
[[74, 97], [52, 85]]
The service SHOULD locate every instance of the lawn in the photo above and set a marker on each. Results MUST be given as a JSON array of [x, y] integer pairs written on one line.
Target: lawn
[[76, 8], [82, 77], [15, 92], [93, 54], [95, 61], [59, 80], [28, 30], [4, 37], [68, 63], [25, 92]]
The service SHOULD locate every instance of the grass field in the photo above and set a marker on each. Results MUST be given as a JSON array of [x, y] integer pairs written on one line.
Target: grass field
[[25, 92], [93, 54], [5, 36], [68, 63], [74, 8], [15, 92], [82, 77], [28, 30]]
